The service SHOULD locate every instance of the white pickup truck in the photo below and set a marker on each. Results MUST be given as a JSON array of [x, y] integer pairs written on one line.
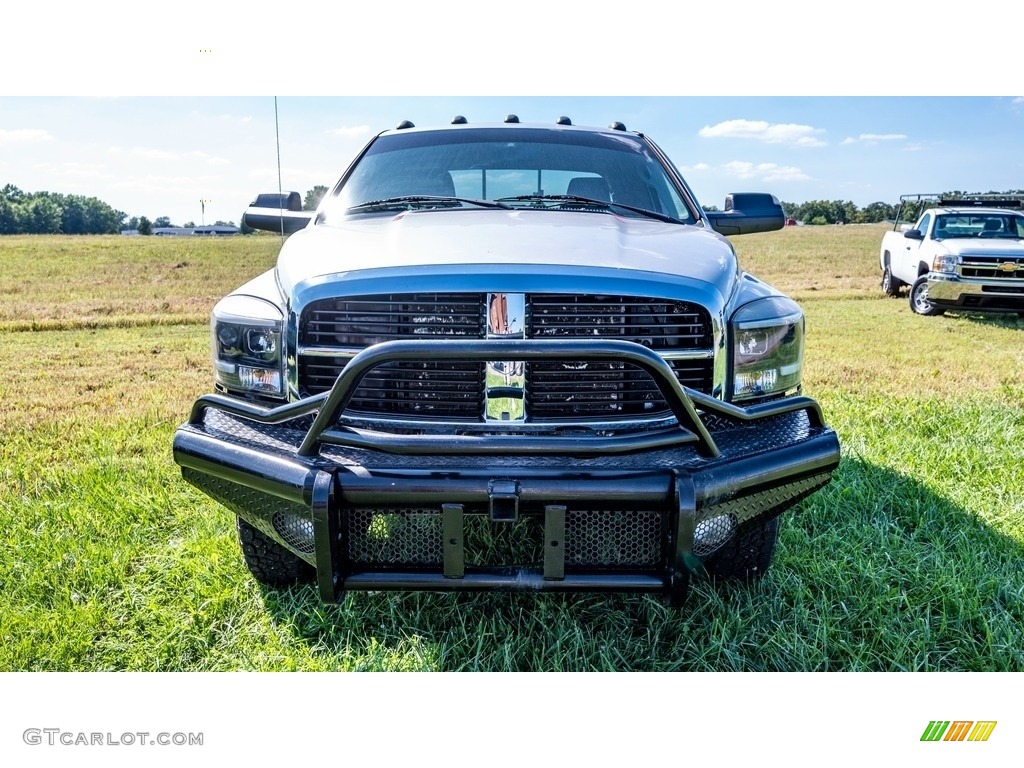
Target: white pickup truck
[[963, 254]]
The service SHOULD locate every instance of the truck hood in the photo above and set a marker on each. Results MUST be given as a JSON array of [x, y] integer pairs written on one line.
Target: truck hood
[[971, 247], [486, 239]]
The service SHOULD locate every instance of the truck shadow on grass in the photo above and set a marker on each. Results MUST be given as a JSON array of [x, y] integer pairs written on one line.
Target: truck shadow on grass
[[874, 572], [1010, 320]]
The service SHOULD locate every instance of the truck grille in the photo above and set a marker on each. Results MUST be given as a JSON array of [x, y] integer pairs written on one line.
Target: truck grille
[[993, 267], [331, 330], [421, 389], [360, 322]]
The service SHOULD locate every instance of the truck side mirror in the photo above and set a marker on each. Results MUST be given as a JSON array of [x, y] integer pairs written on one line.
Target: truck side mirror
[[277, 212], [914, 234], [747, 212]]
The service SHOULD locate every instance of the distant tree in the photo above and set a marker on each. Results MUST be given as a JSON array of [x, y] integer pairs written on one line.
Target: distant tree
[[313, 197], [876, 212], [42, 216], [145, 226], [73, 215], [846, 211], [8, 217], [189, 224], [11, 192], [162, 221], [100, 218], [133, 223]]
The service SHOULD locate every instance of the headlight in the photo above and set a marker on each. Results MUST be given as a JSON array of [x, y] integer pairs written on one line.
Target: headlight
[[767, 348], [245, 334], [944, 262]]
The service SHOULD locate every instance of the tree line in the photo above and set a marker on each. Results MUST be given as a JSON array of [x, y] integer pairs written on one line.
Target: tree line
[[52, 213], [42, 213], [46, 213], [845, 212]]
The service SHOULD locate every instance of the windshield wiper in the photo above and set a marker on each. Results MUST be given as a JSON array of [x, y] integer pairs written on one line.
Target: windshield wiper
[[589, 201], [411, 201]]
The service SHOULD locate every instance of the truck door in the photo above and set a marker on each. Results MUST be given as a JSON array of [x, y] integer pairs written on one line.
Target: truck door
[[906, 259]]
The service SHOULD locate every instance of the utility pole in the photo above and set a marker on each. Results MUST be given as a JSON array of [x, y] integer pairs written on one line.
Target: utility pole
[[202, 218]]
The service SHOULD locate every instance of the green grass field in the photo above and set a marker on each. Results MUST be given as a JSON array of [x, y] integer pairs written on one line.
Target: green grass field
[[910, 560]]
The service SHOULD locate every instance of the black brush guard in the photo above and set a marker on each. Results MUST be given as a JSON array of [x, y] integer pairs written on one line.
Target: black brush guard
[[336, 495]]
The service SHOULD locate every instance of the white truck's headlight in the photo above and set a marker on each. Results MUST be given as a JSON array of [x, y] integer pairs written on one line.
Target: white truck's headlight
[[245, 334], [767, 348], [944, 262]]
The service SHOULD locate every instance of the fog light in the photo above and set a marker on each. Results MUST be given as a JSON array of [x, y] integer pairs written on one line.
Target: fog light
[[259, 379], [296, 530], [753, 383], [712, 533]]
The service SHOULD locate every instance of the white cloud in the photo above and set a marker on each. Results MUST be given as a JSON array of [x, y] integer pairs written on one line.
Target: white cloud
[[764, 171], [209, 159], [875, 138], [144, 152], [24, 136], [350, 131], [760, 130], [148, 153], [74, 170], [178, 184]]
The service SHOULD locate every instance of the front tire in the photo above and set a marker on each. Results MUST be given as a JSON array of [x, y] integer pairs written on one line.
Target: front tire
[[748, 555], [271, 564], [919, 298]]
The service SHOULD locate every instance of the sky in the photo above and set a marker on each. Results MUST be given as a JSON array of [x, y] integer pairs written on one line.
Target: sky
[[154, 109], [163, 155]]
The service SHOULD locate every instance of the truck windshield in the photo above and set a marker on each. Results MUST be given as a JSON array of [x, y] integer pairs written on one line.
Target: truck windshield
[[987, 225], [521, 167]]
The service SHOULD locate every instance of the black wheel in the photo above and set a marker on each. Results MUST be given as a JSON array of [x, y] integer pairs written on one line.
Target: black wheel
[[269, 562], [919, 298], [748, 555], [890, 285]]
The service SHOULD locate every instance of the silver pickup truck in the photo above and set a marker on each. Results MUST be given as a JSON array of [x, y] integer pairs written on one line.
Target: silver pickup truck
[[507, 357], [964, 253]]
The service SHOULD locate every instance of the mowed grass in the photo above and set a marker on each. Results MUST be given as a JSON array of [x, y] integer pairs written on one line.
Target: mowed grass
[[909, 560]]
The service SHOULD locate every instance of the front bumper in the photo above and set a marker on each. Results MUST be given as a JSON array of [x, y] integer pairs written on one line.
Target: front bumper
[[488, 510], [954, 292]]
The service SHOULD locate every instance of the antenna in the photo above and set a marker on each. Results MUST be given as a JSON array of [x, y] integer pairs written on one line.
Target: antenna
[[280, 191]]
